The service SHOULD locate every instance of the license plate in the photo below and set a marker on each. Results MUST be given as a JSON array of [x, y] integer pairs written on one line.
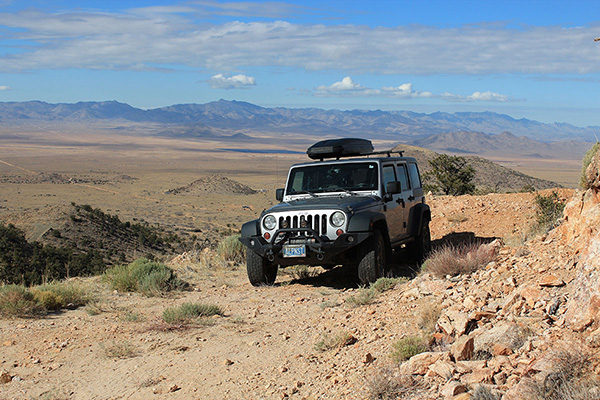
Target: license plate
[[298, 250]]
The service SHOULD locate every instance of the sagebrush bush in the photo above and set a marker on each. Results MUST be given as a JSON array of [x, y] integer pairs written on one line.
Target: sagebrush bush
[[407, 347], [188, 312], [231, 249], [17, 301], [362, 298], [61, 294], [548, 213], [150, 278], [457, 260], [587, 159]]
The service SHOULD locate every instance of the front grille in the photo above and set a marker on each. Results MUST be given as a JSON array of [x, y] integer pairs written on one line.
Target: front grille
[[317, 222]]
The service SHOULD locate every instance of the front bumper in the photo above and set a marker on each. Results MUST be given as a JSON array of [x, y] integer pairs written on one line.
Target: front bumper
[[319, 249]]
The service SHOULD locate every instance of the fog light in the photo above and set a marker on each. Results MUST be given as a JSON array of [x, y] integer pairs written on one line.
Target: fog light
[[267, 235], [339, 232], [350, 239], [252, 242]]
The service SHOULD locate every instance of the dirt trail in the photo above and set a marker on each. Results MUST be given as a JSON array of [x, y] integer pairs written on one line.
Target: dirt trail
[[263, 347]]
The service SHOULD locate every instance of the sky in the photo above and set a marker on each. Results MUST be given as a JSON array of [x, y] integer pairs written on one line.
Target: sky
[[528, 59]]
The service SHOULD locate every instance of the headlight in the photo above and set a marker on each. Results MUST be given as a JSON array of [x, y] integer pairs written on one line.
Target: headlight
[[338, 218], [269, 222]]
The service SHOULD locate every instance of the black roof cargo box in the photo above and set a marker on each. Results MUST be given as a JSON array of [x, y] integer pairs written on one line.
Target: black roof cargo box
[[335, 148]]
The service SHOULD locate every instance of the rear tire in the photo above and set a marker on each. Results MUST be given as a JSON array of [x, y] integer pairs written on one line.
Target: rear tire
[[421, 247], [260, 271], [372, 263]]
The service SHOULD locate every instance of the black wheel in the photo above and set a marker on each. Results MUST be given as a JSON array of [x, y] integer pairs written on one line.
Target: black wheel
[[372, 263], [421, 247], [260, 271]]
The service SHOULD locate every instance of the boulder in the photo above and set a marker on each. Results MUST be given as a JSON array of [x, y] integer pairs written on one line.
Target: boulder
[[419, 364]]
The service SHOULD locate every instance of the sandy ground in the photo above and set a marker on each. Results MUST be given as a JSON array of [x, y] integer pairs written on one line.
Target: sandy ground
[[264, 346]]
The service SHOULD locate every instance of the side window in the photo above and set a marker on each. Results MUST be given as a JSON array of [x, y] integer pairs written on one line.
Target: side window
[[415, 178], [403, 176], [388, 175]]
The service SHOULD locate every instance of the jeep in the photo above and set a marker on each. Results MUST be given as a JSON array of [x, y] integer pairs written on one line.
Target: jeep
[[351, 206]]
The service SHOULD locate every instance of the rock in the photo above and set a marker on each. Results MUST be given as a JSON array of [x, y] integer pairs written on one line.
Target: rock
[[462, 396], [441, 368], [465, 367], [531, 295], [504, 333], [484, 375], [228, 362], [452, 388], [463, 348], [173, 388], [419, 364], [5, 377], [368, 358], [501, 350], [551, 281]]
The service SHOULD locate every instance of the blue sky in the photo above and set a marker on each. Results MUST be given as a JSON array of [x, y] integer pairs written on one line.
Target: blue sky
[[527, 59]]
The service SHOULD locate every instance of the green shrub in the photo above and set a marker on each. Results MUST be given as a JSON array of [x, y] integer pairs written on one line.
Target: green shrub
[[587, 159], [362, 298], [59, 295], [384, 284], [231, 249], [188, 312], [150, 278], [407, 347], [548, 213], [17, 301]]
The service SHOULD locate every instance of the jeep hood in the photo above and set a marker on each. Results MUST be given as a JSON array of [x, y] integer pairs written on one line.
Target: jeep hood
[[327, 202]]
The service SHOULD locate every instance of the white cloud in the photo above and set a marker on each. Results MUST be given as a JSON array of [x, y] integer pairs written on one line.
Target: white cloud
[[348, 88], [478, 96], [220, 81], [171, 36], [3, 88], [345, 85]]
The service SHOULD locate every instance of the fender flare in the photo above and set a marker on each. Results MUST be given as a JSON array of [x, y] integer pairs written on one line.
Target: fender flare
[[250, 228], [419, 214], [364, 222]]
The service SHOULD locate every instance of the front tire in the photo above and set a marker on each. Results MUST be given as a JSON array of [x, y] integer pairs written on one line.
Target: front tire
[[260, 271], [372, 263]]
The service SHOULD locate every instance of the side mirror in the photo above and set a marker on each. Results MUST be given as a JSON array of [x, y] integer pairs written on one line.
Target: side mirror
[[393, 187], [279, 194]]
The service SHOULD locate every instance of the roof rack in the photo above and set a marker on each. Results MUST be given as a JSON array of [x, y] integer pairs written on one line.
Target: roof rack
[[338, 148]]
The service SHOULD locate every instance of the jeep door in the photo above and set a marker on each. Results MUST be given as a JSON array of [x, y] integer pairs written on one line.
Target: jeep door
[[404, 197], [393, 206]]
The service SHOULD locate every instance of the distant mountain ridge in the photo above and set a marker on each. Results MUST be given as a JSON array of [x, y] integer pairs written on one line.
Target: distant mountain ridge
[[231, 117]]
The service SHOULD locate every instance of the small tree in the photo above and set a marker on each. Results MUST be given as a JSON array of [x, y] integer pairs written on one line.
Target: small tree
[[587, 159], [451, 175]]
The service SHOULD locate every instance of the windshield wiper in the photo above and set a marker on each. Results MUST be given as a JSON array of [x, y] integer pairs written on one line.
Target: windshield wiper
[[340, 190], [304, 192]]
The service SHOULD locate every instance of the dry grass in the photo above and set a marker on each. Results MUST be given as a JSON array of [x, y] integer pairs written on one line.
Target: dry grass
[[385, 384], [571, 377], [428, 317], [189, 312], [457, 260], [120, 350], [328, 341]]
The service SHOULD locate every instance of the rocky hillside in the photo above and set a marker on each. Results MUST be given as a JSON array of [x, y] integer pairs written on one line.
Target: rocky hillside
[[489, 176]]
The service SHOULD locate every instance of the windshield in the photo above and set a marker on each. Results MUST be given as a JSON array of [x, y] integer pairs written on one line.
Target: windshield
[[332, 178]]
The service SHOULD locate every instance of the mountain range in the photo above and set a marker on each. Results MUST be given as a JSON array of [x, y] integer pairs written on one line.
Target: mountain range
[[227, 118]]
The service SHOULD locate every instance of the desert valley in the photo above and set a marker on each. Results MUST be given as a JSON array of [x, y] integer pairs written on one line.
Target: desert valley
[[522, 325]]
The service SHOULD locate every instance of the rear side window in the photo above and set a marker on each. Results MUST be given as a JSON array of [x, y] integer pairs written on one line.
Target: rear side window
[[403, 177], [415, 178]]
